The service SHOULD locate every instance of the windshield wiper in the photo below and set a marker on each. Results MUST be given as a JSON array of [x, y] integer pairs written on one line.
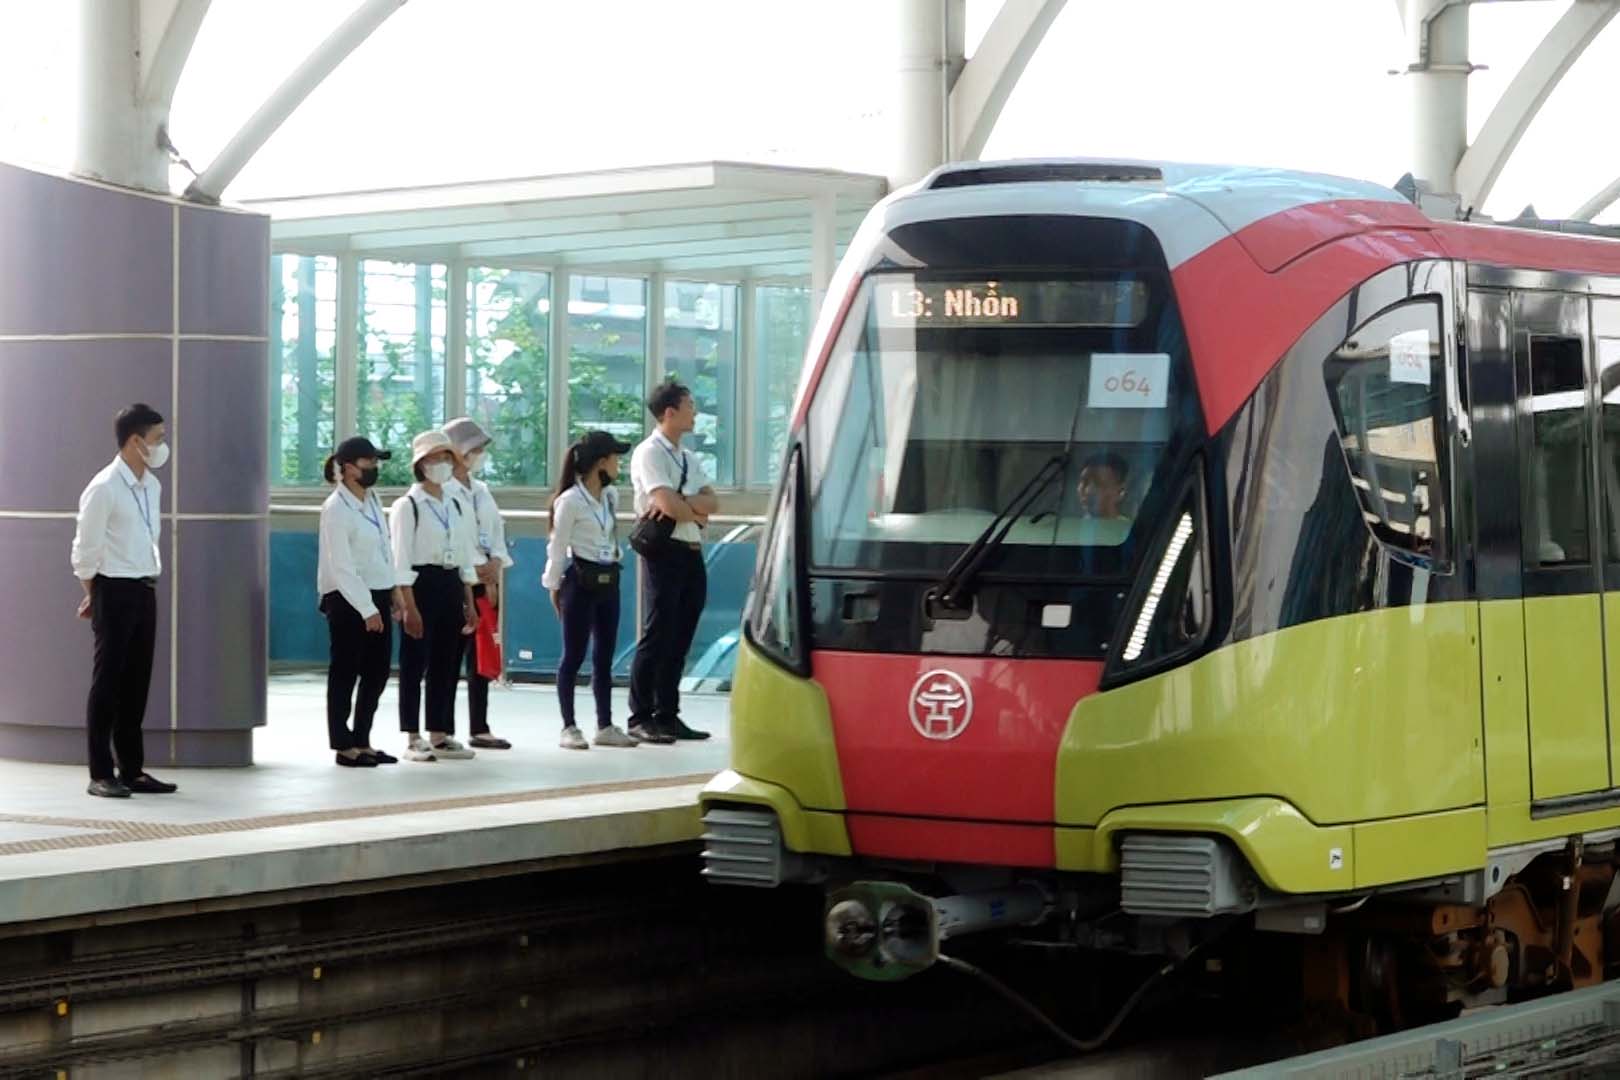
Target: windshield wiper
[[953, 591]]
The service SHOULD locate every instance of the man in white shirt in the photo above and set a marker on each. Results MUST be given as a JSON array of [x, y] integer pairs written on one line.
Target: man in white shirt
[[116, 559], [471, 443], [669, 483]]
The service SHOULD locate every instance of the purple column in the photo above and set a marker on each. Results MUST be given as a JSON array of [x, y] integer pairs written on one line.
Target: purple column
[[110, 296]]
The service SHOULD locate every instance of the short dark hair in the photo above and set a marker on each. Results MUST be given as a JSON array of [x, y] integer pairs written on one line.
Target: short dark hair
[[669, 395], [416, 471], [1109, 460], [136, 419]]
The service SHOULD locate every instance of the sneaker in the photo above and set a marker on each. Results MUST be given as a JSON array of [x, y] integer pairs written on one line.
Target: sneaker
[[613, 736], [358, 761], [486, 741], [108, 789], [451, 750], [419, 749], [648, 733], [379, 756], [573, 739], [678, 728]]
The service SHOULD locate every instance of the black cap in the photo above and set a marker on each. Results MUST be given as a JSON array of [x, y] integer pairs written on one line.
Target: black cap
[[353, 449], [595, 445]]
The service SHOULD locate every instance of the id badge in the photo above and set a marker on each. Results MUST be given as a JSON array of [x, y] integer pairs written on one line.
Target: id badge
[[449, 557]]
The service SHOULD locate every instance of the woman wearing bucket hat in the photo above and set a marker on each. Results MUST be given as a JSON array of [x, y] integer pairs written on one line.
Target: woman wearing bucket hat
[[582, 575], [434, 544]]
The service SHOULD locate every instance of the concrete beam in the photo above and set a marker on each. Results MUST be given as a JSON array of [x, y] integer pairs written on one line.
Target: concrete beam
[[988, 77], [1569, 37]]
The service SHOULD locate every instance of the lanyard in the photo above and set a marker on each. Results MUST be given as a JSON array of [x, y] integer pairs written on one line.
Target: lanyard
[[145, 508], [680, 463], [443, 519], [604, 518], [374, 519]]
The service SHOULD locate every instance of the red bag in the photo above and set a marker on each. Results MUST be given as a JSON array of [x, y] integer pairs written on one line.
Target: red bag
[[487, 640]]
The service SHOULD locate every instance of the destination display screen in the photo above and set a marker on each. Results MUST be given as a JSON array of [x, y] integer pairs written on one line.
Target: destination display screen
[[908, 302]]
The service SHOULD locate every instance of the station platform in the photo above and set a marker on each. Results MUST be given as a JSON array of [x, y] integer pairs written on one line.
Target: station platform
[[296, 825]]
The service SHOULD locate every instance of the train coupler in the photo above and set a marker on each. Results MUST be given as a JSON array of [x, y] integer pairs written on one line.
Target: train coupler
[[886, 931]]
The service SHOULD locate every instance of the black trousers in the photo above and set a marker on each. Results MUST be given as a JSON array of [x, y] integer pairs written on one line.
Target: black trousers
[[123, 616], [357, 655], [477, 685], [436, 654], [590, 617], [677, 586]]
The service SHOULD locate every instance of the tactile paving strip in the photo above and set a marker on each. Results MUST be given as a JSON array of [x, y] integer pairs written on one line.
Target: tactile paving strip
[[102, 832]]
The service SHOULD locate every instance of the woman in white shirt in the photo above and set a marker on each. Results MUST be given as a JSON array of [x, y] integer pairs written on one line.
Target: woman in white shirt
[[434, 545], [582, 575], [356, 580]]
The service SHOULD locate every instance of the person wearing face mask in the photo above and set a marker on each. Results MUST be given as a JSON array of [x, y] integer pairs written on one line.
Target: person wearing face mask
[[117, 561], [471, 443], [582, 576], [357, 584], [434, 543]]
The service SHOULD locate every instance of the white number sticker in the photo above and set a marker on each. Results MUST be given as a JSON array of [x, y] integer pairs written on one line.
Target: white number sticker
[[1409, 358], [1129, 380]]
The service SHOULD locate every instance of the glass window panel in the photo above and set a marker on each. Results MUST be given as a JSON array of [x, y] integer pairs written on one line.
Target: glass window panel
[[403, 313], [1609, 384], [508, 360], [303, 366], [1386, 384], [782, 328], [607, 357], [1558, 530], [700, 349]]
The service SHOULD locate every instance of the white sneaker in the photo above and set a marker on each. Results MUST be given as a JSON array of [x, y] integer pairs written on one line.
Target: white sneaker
[[451, 750], [614, 736], [419, 749], [573, 739]]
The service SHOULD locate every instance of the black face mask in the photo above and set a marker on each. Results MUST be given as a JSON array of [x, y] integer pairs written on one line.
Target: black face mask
[[607, 481], [368, 477]]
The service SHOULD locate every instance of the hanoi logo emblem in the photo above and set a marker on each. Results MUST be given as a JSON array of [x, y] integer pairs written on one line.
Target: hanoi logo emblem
[[941, 705]]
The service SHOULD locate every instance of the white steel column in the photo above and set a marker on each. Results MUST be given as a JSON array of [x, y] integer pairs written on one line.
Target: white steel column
[[557, 399], [347, 376], [455, 341], [823, 248], [116, 133], [654, 371], [1437, 41], [747, 379], [918, 98]]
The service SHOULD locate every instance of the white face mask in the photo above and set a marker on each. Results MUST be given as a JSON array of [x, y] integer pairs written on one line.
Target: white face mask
[[438, 473], [475, 462], [155, 456]]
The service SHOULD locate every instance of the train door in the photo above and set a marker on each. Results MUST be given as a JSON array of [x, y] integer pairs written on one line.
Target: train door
[[1560, 551], [1606, 341]]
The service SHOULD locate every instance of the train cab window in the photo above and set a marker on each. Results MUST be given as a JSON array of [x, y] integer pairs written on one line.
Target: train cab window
[[1386, 382], [775, 610], [1609, 388], [1556, 484]]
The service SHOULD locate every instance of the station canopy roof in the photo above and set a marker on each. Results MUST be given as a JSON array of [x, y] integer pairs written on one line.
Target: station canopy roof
[[710, 221]]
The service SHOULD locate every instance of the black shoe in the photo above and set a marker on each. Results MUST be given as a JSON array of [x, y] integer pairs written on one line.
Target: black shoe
[[147, 784], [380, 757], [679, 730], [359, 761], [108, 789], [651, 733]]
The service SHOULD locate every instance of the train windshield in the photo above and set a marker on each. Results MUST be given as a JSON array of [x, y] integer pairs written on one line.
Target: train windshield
[[947, 395]]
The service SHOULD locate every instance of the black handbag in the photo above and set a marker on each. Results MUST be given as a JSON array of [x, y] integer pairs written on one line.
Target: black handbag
[[652, 535]]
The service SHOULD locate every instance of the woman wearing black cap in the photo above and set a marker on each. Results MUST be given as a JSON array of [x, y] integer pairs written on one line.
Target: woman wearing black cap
[[582, 575], [356, 581]]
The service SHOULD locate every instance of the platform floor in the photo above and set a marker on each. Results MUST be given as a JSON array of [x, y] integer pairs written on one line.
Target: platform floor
[[296, 821]]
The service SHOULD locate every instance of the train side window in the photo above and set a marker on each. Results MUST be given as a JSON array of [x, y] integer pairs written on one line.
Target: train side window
[[1387, 386], [1556, 484], [1609, 384], [775, 621]]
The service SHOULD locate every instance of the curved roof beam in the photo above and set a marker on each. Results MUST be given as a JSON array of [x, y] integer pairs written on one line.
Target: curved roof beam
[[286, 98], [1598, 203], [168, 29], [988, 78], [1483, 162]]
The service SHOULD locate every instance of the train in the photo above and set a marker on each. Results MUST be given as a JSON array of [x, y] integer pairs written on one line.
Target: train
[[1161, 548]]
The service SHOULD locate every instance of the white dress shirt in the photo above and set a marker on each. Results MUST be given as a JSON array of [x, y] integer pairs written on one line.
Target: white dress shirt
[[487, 518], [120, 524], [581, 527], [437, 532], [356, 552], [657, 463]]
